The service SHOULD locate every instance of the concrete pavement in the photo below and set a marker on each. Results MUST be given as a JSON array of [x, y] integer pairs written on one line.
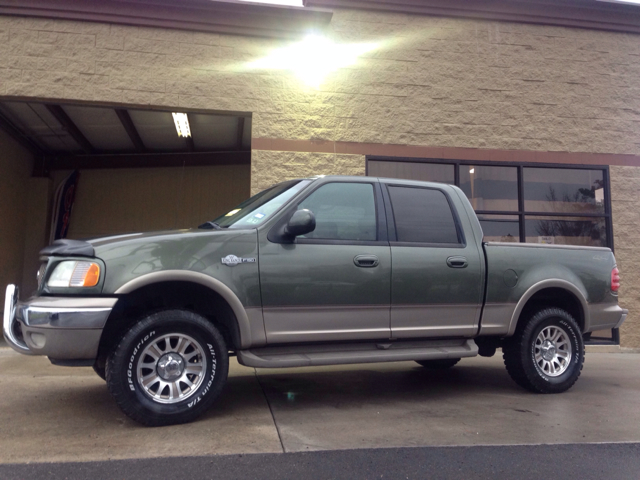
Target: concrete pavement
[[53, 414]]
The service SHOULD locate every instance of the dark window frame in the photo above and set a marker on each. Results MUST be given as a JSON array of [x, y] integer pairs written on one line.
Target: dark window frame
[[521, 213]]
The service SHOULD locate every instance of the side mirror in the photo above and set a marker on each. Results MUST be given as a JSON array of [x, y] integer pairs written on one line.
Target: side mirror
[[300, 223]]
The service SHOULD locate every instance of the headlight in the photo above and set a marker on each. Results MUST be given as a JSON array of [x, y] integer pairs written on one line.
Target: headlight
[[75, 274]]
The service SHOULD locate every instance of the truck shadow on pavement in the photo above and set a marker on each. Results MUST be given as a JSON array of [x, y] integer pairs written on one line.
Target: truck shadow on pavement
[[85, 399], [72, 415]]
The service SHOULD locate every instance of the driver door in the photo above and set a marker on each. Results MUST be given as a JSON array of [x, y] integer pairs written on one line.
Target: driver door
[[335, 282]]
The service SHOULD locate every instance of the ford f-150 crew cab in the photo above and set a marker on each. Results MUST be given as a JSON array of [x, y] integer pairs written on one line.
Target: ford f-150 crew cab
[[316, 271]]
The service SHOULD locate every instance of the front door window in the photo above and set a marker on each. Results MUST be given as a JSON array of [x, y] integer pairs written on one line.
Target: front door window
[[343, 211]]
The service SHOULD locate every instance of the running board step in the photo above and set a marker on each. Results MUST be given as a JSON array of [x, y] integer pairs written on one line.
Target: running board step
[[339, 354]]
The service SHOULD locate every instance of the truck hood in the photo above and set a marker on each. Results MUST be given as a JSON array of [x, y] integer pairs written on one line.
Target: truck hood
[[144, 236], [91, 247], [127, 257]]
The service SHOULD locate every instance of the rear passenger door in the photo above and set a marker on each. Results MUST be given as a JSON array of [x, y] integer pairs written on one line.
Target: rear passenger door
[[436, 281]]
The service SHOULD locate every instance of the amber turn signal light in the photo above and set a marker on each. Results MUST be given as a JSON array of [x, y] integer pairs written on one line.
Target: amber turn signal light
[[86, 274]]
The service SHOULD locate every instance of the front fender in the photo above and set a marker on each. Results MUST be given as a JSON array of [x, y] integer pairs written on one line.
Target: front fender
[[249, 330]]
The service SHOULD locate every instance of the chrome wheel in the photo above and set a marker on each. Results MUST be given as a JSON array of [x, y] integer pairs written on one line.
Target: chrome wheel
[[171, 368], [553, 351]]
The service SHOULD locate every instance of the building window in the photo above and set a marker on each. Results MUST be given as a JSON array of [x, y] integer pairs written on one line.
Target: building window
[[427, 172], [518, 202]]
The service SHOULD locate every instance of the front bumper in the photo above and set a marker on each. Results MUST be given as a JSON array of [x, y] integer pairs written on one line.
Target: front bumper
[[62, 328]]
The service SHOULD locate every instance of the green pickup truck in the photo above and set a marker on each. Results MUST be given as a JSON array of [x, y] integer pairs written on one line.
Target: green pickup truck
[[317, 271]]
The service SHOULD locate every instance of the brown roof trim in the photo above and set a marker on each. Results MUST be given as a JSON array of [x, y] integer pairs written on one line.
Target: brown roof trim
[[201, 15], [594, 14], [450, 153], [146, 160]]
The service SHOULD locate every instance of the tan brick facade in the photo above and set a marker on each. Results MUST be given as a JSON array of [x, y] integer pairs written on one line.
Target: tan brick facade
[[269, 167], [625, 203], [433, 81]]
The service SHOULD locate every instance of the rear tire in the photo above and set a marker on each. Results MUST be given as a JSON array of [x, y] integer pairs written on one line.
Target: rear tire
[[442, 364], [168, 369], [546, 355]]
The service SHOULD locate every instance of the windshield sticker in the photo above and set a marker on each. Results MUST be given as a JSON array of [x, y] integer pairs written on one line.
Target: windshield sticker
[[232, 212], [259, 215]]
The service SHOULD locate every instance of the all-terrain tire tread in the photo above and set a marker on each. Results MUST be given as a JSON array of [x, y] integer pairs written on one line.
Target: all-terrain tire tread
[[513, 348], [129, 406]]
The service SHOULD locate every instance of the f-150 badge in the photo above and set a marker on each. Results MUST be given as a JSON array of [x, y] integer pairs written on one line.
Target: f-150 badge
[[232, 260]]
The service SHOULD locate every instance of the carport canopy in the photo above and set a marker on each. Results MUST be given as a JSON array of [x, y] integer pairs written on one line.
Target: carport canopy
[[70, 136]]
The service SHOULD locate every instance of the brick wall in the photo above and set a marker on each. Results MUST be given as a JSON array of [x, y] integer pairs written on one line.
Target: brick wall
[[625, 203], [269, 167], [433, 81]]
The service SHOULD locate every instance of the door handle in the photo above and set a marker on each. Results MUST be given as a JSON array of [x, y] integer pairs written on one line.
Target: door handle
[[457, 262], [366, 261]]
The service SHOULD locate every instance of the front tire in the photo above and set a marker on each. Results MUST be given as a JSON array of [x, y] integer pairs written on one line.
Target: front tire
[[547, 354], [168, 369]]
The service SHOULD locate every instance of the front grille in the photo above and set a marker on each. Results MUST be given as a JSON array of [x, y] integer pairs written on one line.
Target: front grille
[[40, 274]]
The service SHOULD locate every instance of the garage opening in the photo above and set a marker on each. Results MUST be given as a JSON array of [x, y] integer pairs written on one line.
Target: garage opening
[[137, 170]]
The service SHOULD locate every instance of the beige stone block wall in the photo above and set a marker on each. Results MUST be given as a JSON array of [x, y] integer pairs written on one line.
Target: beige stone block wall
[[270, 167], [16, 164], [432, 80], [625, 203]]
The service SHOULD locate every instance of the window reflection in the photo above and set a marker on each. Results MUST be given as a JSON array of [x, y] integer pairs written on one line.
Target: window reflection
[[490, 188], [343, 211], [426, 172], [563, 190], [547, 191], [500, 228], [566, 231]]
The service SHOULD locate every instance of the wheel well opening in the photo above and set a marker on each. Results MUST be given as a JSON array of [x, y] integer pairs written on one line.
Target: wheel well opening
[[554, 297], [146, 300]]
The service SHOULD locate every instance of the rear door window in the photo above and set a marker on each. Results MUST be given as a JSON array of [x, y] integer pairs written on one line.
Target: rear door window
[[423, 215]]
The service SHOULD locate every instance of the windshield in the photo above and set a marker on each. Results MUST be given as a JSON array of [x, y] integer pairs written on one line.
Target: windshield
[[260, 207]]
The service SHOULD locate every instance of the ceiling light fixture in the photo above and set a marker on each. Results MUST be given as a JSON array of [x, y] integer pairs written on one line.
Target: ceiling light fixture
[[314, 58], [630, 2], [182, 124], [472, 170], [288, 3]]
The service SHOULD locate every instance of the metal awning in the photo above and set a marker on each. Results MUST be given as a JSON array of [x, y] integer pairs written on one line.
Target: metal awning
[[88, 136]]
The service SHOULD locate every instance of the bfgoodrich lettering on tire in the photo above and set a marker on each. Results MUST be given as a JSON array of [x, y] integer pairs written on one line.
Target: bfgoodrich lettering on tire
[[169, 368], [546, 354]]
